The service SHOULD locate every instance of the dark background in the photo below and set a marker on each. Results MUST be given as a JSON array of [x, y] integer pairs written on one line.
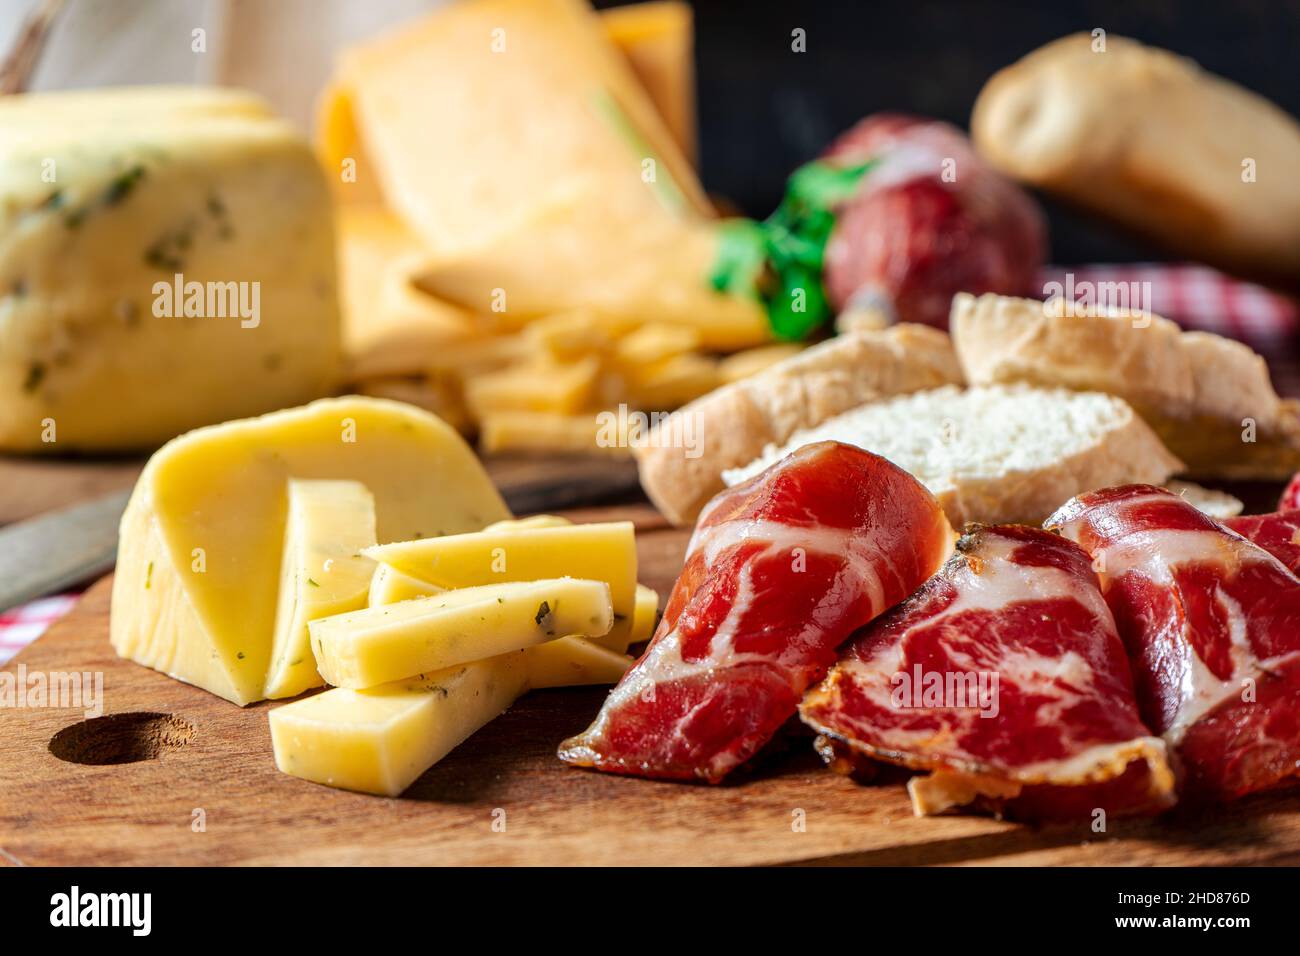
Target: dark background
[[764, 109]]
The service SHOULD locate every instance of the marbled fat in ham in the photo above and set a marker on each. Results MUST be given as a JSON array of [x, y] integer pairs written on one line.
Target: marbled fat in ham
[[779, 572], [1017, 611], [1212, 625]]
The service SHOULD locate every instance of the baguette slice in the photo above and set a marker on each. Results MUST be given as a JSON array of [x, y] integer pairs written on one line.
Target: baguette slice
[[1209, 398], [682, 459], [998, 454]]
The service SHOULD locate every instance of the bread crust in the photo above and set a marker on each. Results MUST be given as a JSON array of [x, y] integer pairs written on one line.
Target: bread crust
[[736, 422], [1146, 138], [1198, 390], [1147, 360]]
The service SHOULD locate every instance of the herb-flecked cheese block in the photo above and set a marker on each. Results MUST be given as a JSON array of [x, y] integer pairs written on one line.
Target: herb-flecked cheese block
[[202, 540], [166, 262]]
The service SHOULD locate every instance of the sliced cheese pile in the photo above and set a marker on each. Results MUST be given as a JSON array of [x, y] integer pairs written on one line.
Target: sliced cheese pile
[[248, 566], [441, 611], [602, 552]]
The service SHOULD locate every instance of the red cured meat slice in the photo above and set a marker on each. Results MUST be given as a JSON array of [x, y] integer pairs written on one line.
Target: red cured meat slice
[[1277, 533], [779, 572], [1212, 626], [1004, 677]]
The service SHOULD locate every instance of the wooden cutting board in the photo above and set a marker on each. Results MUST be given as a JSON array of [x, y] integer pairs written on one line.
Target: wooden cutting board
[[500, 798]]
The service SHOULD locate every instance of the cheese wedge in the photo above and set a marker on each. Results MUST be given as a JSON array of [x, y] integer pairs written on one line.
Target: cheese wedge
[[322, 573], [166, 262], [195, 595], [380, 740], [381, 644], [514, 101], [574, 662], [599, 552]]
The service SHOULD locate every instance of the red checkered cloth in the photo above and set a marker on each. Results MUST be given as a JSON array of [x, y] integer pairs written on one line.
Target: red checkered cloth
[[1193, 296], [22, 625]]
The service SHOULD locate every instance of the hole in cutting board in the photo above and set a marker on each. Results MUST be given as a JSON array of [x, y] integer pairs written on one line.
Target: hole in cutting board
[[121, 738]]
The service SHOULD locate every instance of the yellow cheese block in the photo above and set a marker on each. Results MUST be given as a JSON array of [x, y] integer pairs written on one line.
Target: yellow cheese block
[[645, 616], [322, 573], [654, 342], [380, 740], [113, 200], [600, 552], [198, 566], [548, 432], [389, 327], [538, 387], [570, 257], [515, 102], [381, 644], [673, 381], [389, 585], [574, 662], [658, 41]]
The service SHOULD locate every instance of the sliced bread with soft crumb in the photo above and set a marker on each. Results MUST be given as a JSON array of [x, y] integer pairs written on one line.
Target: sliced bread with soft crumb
[[682, 458], [1001, 453], [1208, 397]]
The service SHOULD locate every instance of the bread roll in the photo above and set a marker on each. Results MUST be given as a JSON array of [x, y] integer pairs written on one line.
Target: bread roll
[[1148, 139]]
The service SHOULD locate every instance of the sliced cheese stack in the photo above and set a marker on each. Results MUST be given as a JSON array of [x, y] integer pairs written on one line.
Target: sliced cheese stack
[[112, 202], [479, 620], [522, 552]]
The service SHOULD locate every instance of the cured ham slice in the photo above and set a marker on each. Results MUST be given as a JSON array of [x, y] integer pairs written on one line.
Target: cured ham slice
[[779, 572], [1277, 533], [1005, 678], [1212, 625]]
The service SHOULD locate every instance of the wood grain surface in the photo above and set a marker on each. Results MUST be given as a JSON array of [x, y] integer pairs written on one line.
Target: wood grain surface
[[788, 810]]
